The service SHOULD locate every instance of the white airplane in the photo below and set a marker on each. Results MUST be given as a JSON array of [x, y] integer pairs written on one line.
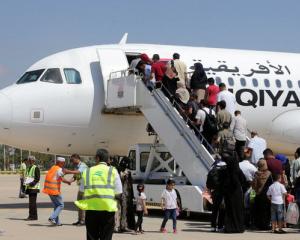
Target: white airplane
[[57, 105]]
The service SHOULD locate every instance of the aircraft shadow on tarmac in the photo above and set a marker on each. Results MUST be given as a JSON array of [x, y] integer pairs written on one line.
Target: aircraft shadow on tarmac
[[69, 206]]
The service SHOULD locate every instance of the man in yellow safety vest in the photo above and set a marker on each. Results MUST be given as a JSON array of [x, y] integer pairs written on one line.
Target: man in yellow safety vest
[[32, 186], [102, 185]]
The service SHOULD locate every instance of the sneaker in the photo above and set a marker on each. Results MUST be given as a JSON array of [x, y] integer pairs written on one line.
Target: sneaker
[[58, 224], [163, 230], [281, 231], [213, 229], [52, 221], [175, 231]]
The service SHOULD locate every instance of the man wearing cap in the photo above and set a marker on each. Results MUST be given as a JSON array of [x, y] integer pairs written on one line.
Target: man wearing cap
[[102, 185], [32, 187], [52, 186]]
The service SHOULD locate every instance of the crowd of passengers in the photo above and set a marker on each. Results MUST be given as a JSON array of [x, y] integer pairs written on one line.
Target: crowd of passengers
[[248, 185], [209, 109]]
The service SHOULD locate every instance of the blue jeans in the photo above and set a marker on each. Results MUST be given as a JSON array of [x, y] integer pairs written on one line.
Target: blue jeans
[[277, 212], [169, 213], [58, 207]]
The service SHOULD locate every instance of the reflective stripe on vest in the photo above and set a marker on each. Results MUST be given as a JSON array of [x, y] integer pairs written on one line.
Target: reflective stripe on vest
[[92, 186], [51, 185], [99, 193], [31, 173]]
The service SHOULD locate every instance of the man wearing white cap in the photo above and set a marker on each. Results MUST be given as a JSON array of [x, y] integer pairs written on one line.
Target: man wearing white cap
[[52, 185]]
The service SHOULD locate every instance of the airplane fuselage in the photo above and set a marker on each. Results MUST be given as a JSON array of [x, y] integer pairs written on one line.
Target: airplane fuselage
[[64, 117]]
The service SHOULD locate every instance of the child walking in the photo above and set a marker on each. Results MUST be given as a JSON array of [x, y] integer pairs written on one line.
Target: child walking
[[276, 193], [169, 205], [141, 208]]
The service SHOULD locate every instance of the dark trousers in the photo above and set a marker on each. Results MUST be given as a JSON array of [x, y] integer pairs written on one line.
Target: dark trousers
[[139, 222], [239, 148], [218, 213], [32, 205], [99, 225], [22, 188], [169, 213]]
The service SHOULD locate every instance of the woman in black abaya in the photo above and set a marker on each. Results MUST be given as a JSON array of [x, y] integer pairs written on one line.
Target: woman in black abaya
[[233, 195]]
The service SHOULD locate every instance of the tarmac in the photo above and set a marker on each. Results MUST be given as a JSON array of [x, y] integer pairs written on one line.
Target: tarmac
[[14, 210]]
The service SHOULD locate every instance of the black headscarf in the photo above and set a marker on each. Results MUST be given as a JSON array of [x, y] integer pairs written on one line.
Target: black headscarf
[[199, 78]]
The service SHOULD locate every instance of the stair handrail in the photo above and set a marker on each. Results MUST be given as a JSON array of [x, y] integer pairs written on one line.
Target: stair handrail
[[187, 120]]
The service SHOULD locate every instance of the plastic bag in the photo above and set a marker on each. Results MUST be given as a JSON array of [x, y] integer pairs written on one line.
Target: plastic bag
[[177, 212], [292, 215]]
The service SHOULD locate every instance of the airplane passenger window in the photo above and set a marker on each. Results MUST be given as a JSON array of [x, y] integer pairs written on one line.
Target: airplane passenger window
[[254, 82], [31, 76], [299, 83], [243, 82], [230, 81], [72, 76], [278, 83], [289, 83], [218, 80], [267, 83], [52, 75]]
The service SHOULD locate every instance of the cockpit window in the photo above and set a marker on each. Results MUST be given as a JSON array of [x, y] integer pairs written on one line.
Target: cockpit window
[[72, 76], [30, 76], [52, 75]]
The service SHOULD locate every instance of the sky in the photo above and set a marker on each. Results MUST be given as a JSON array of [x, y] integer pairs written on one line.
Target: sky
[[33, 29]]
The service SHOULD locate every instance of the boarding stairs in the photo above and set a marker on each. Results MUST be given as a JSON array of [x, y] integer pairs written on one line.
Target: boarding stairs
[[127, 91]]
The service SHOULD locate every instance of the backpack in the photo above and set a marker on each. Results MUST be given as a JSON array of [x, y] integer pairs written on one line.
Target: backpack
[[228, 145], [210, 124], [213, 180], [195, 109]]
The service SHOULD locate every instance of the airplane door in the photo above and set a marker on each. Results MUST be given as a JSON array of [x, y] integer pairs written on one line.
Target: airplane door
[[111, 60]]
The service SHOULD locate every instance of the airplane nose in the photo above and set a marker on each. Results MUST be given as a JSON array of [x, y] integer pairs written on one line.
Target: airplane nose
[[5, 112]]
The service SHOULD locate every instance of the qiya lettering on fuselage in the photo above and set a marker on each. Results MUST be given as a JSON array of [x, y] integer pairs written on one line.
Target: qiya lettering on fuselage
[[249, 97]]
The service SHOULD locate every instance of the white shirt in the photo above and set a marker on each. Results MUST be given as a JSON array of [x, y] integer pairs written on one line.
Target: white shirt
[[170, 199], [248, 169], [201, 115], [139, 201], [229, 98], [81, 168], [276, 191], [239, 128], [59, 174], [258, 145]]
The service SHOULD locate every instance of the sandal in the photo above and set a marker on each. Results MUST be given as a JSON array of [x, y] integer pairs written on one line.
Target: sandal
[[281, 231]]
